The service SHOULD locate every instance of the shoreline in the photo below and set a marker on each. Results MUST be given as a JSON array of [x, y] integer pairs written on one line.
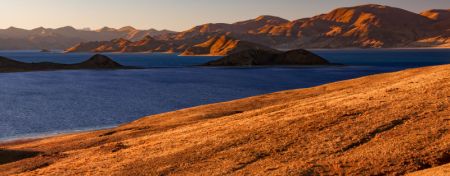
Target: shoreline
[[44, 135]]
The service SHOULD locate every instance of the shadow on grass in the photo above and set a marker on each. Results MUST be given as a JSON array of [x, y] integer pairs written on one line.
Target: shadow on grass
[[9, 156]]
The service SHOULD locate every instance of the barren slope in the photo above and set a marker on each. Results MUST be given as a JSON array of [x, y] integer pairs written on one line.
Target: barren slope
[[393, 123]]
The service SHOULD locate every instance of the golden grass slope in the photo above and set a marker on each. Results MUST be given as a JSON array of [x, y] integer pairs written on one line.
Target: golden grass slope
[[387, 124], [437, 171]]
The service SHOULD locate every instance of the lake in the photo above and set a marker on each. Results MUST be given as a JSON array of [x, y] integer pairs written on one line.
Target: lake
[[43, 103]]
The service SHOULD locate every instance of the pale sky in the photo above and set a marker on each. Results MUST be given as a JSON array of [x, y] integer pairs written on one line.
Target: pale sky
[[173, 14]]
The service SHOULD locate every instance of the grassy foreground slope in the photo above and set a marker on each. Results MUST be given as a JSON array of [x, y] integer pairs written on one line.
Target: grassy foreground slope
[[436, 171], [394, 123]]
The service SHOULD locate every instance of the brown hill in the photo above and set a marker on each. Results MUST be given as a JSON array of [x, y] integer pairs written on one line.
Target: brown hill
[[147, 44], [95, 62], [440, 29], [103, 46], [255, 57], [364, 26], [221, 46], [366, 126], [441, 20]]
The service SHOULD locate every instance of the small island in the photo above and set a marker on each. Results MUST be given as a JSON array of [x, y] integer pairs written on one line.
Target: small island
[[97, 61], [260, 57], [45, 51]]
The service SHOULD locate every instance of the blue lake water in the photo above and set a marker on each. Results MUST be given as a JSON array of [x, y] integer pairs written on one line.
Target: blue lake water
[[36, 103]]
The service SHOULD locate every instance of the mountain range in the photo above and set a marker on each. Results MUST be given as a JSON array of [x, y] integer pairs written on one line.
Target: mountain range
[[365, 26], [61, 38]]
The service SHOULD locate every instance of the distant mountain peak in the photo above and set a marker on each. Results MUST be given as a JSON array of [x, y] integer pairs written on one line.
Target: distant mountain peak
[[38, 29], [269, 18], [106, 29], [372, 6], [437, 14], [14, 28], [67, 28], [127, 28]]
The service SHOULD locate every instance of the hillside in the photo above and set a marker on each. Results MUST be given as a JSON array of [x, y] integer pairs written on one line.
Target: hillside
[[366, 126], [222, 46], [366, 26], [437, 171]]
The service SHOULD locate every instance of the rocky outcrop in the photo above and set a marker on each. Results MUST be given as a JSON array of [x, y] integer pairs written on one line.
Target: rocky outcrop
[[97, 61], [258, 57]]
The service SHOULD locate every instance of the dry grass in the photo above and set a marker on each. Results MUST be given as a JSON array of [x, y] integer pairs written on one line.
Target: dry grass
[[388, 124]]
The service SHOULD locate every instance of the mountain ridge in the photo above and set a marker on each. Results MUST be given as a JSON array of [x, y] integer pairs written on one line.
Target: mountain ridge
[[363, 26], [65, 37]]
